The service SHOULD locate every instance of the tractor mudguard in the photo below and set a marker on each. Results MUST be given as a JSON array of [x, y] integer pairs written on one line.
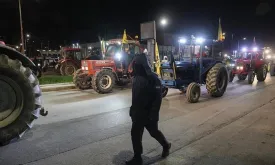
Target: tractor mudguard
[[13, 54]]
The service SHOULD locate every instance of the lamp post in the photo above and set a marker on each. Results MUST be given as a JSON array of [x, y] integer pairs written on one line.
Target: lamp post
[[21, 27], [27, 37]]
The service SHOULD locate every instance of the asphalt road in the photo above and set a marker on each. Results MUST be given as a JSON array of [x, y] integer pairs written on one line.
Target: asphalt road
[[86, 128]]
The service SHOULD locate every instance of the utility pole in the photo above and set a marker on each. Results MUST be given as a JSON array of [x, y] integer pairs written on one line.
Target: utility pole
[[21, 26]]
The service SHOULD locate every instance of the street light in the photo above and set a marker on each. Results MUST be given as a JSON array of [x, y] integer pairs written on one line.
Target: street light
[[255, 49], [182, 41], [244, 38], [244, 49], [27, 35], [163, 21], [200, 40]]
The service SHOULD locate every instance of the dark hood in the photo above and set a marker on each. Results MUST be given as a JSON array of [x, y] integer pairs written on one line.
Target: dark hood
[[141, 66]]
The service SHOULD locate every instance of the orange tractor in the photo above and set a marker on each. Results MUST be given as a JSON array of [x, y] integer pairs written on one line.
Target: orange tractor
[[115, 68]]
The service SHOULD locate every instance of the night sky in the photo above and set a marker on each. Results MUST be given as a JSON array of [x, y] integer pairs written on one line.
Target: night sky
[[67, 21]]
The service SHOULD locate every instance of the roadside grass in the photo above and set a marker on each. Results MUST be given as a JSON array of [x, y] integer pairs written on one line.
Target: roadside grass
[[53, 79]]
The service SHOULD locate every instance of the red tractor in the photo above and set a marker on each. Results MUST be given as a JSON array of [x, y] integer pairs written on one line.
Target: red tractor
[[70, 62], [249, 64], [115, 68]]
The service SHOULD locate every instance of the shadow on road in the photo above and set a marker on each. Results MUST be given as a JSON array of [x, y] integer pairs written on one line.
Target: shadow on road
[[123, 156]]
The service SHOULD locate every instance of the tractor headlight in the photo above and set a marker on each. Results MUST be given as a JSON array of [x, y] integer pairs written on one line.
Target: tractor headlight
[[38, 64], [238, 67], [118, 56], [268, 56], [232, 65], [84, 68], [241, 67]]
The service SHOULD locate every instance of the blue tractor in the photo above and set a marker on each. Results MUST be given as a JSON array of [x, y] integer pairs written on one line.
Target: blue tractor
[[196, 64]]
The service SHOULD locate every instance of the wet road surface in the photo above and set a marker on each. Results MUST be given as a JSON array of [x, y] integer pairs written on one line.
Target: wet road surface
[[86, 128]]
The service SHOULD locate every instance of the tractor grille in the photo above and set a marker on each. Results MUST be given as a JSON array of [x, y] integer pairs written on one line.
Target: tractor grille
[[167, 74]]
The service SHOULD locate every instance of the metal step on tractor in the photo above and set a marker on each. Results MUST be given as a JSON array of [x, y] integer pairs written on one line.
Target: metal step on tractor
[[114, 68], [20, 94], [200, 62], [249, 63]]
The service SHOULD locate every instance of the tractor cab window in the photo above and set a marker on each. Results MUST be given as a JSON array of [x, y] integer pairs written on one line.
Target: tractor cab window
[[112, 50]]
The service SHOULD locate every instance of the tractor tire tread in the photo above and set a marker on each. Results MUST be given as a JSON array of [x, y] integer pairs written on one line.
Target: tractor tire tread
[[29, 85]]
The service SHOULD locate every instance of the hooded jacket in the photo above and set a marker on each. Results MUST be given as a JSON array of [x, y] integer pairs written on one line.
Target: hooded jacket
[[146, 91]]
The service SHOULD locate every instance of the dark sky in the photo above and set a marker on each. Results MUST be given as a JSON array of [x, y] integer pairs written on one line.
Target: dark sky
[[83, 20]]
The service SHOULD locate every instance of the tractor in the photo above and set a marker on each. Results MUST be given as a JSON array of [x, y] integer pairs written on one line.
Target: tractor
[[70, 62], [198, 65], [20, 94], [102, 75], [249, 63]]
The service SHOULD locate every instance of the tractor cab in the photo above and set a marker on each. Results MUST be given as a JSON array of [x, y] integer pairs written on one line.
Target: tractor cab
[[72, 53], [190, 63]]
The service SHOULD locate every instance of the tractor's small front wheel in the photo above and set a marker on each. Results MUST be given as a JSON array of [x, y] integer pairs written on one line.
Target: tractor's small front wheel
[[193, 92], [261, 73], [231, 76], [164, 91], [103, 81], [251, 77], [272, 69], [82, 80]]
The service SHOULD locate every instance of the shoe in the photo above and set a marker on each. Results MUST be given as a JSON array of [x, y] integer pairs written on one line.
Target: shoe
[[166, 150], [135, 161]]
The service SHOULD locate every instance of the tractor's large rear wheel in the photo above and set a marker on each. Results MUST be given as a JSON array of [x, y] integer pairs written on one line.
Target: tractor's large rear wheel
[[217, 80], [20, 99], [81, 80], [68, 69], [261, 73], [103, 81]]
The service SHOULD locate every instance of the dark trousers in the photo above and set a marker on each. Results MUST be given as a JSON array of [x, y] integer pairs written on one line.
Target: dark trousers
[[137, 132]]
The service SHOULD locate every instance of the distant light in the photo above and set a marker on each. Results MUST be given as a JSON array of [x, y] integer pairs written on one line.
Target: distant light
[[21, 44], [28, 35], [267, 51], [37, 50], [44, 50], [163, 21], [89, 47], [269, 56], [200, 40], [244, 38], [223, 33], [244, 49], [17, 47], [119, 42], [182, 41], [77, 44], [255, 49], [225, 55]]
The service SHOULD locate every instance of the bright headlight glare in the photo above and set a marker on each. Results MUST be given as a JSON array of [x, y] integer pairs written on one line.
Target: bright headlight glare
[[118, 56], [86, 68], [39, 64], [238, 67], [241, 67], [269, 56]]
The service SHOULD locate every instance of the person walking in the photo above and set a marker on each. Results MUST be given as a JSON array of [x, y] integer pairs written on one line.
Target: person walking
[[146, 102]]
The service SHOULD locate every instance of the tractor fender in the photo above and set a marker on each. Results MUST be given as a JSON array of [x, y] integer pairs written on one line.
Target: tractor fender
[[15, 55], [207, 70]]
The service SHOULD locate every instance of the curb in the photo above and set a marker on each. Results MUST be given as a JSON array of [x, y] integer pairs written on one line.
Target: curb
[[58, 88]]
